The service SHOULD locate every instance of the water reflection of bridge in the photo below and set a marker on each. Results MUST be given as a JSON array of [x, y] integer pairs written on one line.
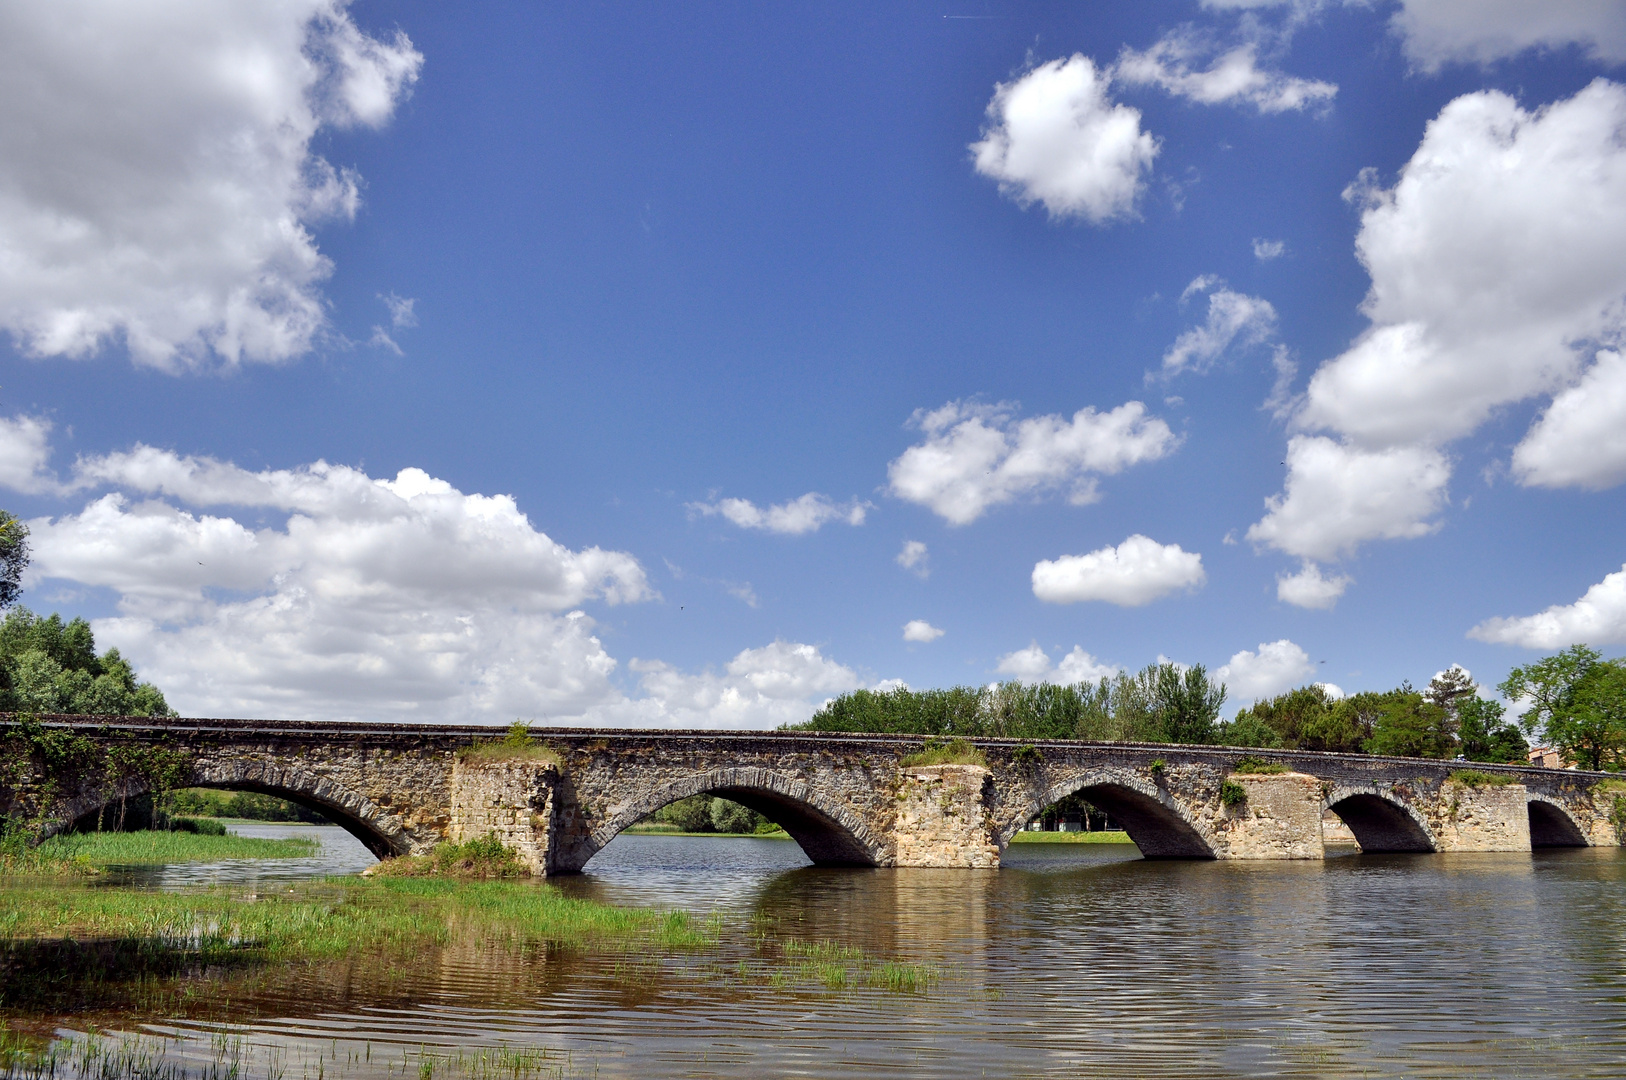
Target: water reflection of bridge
[[846, 799]]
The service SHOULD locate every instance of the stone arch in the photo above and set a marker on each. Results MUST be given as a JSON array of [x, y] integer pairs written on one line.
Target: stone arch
[[1380, 820], [1154, 819], [360, 817], [1552, 824], [829, 832]]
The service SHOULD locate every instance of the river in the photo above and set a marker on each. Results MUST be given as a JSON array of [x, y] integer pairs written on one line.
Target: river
[[1072, 961]]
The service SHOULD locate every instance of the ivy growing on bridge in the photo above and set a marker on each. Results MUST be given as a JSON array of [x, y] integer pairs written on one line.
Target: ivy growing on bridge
[[45, 767]]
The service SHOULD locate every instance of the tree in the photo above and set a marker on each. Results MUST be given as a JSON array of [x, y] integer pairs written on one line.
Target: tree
[[1409, 725], [1486, 736], [1549, 686], [1246, 729], [13, 558], [1576, 702], [49, 666], [1592, 731], [1187, 702], [1288, 716]]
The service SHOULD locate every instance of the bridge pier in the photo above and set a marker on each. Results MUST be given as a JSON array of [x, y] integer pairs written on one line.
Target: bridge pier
[[1280, 819], [511, 798], [943, 818], [1484, 818]]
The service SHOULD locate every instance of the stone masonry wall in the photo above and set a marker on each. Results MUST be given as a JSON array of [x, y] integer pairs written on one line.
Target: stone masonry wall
[[1493, 817], [1281, 819], [513, 799], [942, 819]]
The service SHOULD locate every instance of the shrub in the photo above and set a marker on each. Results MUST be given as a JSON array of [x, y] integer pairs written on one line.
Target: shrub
[[1232, 793], [1475, 778], [1258, 767], [946, 752]]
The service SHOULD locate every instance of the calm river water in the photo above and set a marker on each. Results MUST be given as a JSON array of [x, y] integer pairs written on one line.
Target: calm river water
[[1073, 960]]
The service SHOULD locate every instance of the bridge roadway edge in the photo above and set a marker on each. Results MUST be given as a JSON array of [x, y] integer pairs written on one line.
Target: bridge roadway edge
[[845, 796]]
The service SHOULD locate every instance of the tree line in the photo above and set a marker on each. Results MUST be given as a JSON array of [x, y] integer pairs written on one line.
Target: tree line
[[1574, 701]]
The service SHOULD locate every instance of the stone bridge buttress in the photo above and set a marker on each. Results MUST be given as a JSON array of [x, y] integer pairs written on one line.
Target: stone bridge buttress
[[846, 799]]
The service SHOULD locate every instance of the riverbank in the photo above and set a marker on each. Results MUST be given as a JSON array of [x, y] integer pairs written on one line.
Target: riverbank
[[660, 829], [1103, 837]]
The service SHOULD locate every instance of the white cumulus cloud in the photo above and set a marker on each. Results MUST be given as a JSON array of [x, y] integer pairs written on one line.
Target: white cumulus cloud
[[1233, 319], [1581, 439], [1054, 136], [1597, 618], [803, 515], [1265, 250], [1338, 496], [978, 456], [1277, 666], [780, 683], [157, 182], [913, 558], [1232, 76], [922, 631], [1492, 258], [1496, 270], [401, 597], [1437, 32], [1032, 665], [1311, 588], [1134, 573], [25, 449]]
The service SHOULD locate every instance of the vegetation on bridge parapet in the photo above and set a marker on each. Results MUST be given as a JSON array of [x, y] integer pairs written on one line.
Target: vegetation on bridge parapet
[[44, 766], [517, 744], [1476, 778], [1252, 766], [945, 752]]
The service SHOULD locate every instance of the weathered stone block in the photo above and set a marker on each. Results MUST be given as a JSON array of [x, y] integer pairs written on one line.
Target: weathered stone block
[[1281, 819], [513, 799], [942, 818], [1494, 817]]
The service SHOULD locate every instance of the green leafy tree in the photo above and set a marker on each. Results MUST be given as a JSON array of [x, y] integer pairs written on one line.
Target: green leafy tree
[[1548, 686], [1409, 725], [1593, 731], [49, 666], [1576, 702], [1159, 703], [1487, 736], [13, 558], [1188, 703], [1247, 729]]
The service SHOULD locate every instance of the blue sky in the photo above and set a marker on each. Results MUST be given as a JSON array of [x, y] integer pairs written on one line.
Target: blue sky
[[1044, 301]]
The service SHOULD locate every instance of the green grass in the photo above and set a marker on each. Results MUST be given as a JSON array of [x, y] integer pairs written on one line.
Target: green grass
[[62, 945], [941, 752], [1112, 836], [1475, 778], [83, 853]]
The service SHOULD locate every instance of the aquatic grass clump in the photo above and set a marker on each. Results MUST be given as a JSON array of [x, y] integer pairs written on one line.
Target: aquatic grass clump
[[482, 858], [945, 752], [836, 966]]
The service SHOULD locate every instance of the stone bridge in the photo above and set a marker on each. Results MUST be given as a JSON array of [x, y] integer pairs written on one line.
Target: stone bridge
[[851, 800]]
